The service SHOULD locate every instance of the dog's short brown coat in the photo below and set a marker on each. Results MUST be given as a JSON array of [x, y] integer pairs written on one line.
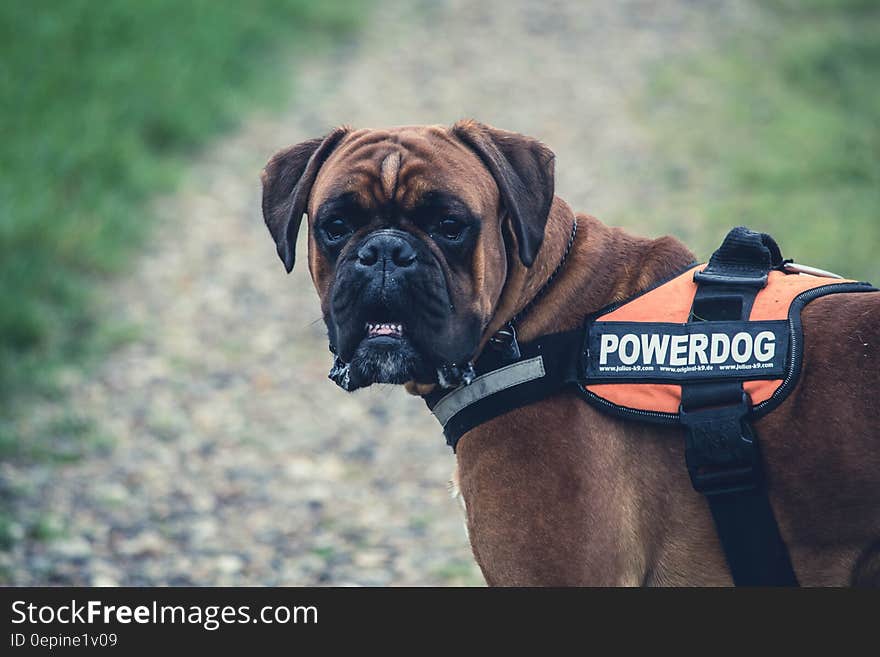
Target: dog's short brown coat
[[558, 493]]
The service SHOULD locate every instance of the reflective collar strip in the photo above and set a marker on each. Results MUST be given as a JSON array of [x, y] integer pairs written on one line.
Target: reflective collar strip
[[486, 385]]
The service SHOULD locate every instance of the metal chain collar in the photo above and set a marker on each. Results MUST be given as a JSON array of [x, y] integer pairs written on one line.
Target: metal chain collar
[[505, 339]]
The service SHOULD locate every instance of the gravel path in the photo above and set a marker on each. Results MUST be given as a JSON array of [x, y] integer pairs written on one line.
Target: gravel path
[[231, 458]]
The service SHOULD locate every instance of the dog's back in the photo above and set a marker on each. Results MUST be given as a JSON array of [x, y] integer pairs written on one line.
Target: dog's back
[[822, 447]]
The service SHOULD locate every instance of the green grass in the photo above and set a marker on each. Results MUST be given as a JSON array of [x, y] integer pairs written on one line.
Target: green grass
[[779, 130], [102, 103]]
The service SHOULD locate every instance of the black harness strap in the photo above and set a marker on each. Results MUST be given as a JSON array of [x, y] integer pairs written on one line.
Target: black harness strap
[[721, 448], [559, 370]]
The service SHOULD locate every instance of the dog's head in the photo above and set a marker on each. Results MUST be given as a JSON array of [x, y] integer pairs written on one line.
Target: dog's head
[[412, 234]]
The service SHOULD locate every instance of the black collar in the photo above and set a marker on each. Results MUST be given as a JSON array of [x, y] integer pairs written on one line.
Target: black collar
[[544, 367]]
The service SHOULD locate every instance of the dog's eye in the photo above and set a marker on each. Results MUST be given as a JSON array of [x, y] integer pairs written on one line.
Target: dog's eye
[[451, 228], [335, 229]]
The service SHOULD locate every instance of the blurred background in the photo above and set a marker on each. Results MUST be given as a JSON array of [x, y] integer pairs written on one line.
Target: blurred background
[[164, 412]]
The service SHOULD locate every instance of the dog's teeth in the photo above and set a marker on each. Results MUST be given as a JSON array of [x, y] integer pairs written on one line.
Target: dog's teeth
[[384, 328]]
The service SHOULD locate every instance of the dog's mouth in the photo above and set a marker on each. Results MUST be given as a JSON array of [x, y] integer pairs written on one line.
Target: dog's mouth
[[394, 345], [387, 330], [385, 353]]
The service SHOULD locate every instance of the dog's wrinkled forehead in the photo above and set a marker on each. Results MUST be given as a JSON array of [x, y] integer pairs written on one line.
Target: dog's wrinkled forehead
[[399, 165]]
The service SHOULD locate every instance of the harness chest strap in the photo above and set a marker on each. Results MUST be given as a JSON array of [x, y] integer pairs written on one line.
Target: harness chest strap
[[711, 349]]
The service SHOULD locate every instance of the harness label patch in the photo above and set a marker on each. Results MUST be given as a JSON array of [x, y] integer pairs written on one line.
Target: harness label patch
[[670, 353]]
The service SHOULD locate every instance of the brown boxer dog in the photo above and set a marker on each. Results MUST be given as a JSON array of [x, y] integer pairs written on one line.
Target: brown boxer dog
[[424, 241]]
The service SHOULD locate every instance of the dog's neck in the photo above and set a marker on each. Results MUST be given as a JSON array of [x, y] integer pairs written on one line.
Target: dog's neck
[[604, 265]]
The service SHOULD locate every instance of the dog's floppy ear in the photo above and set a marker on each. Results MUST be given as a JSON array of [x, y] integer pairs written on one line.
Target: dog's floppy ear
[[287, 183], [523, 170]]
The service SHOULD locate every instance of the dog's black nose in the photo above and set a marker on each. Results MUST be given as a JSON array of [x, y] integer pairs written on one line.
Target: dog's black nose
[[384, 248]]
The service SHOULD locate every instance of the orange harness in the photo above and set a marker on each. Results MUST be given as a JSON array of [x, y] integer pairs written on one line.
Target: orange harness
[[780, 301]]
